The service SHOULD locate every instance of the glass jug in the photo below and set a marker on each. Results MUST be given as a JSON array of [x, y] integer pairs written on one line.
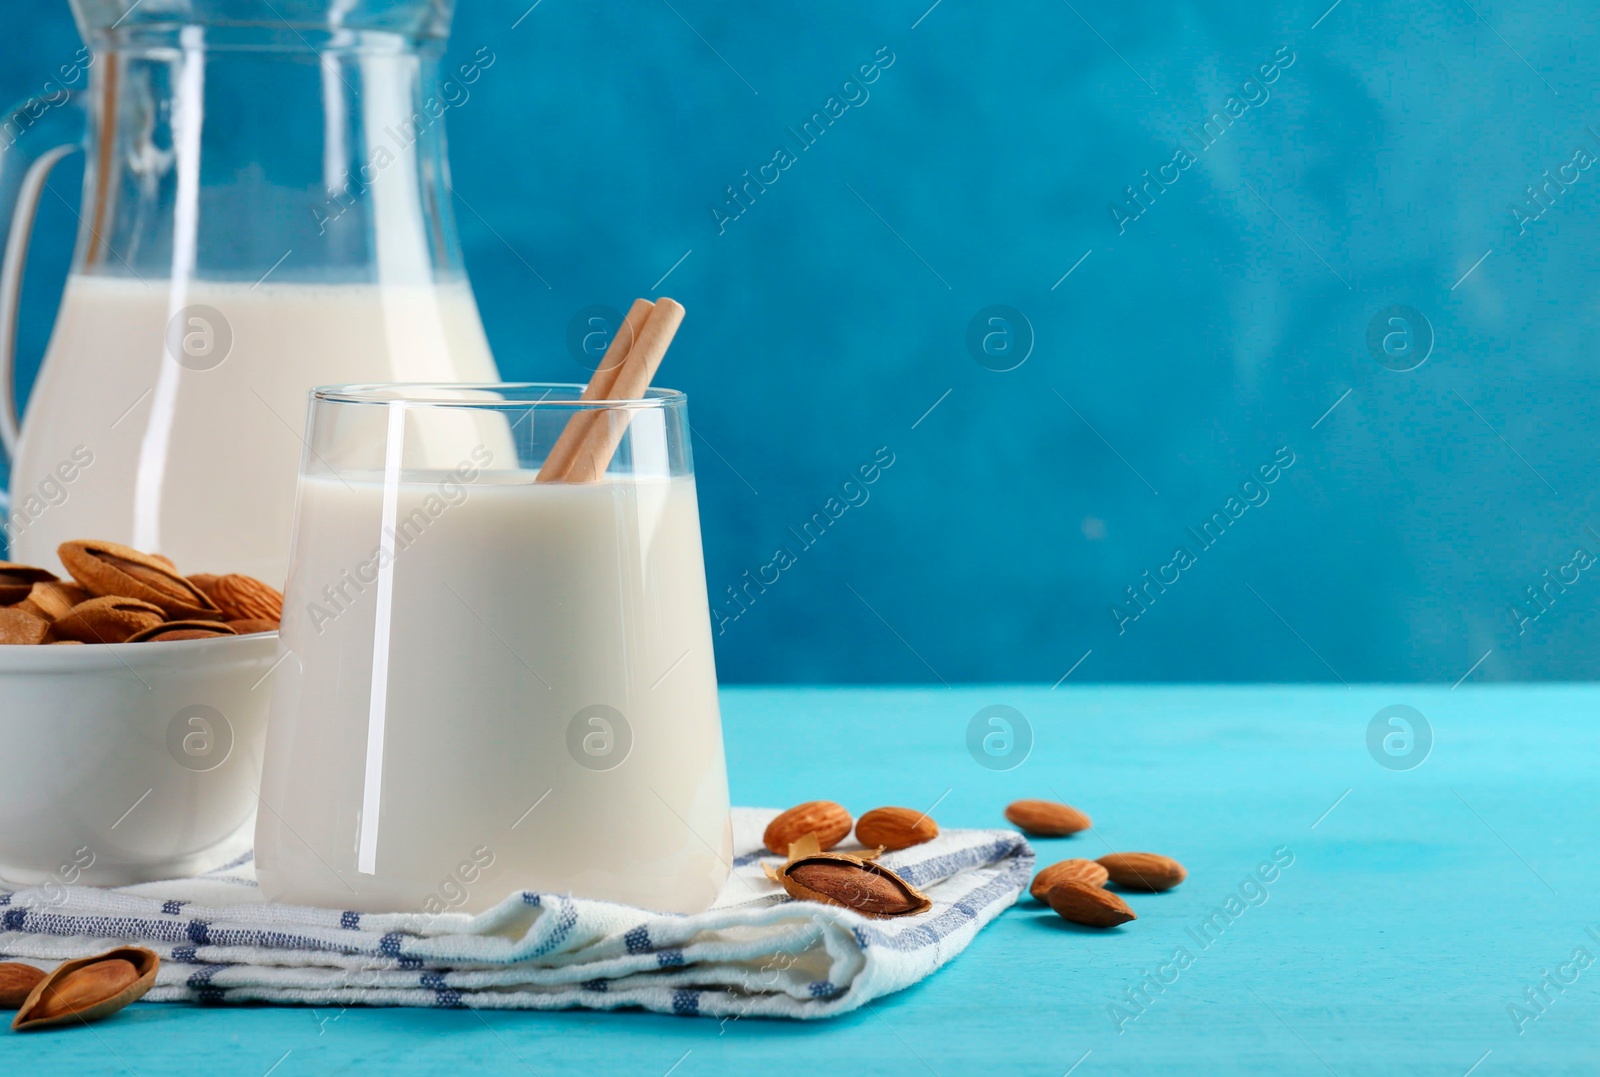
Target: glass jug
[[266, 207]]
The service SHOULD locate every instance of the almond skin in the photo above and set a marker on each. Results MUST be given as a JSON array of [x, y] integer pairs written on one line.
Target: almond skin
[[827, 820], [108, 619], [172, 631], [89, 988], [243, 598], [17, 580], [17, 981], [21, 627], [895, 828], [1088, 905], [1086, 872], [250, 628], [1143, 871], [1047, 818], [108, 568]]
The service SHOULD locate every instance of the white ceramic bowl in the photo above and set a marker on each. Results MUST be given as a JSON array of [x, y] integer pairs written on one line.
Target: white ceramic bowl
[[130, 762]]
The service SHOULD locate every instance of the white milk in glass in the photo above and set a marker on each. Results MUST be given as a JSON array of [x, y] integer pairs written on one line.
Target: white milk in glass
[[200, 464], [539, 711]]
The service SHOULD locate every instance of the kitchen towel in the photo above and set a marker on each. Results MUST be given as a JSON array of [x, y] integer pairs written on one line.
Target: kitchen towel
[[756, 953]]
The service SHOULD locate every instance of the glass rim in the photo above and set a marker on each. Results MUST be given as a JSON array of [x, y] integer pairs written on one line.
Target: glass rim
[[438, 394]]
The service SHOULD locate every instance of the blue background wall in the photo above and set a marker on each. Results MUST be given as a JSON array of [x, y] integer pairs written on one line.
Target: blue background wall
[[1195, 341]]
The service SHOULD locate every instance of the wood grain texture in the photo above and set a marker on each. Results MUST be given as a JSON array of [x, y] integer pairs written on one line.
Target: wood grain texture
[[1389, 944]]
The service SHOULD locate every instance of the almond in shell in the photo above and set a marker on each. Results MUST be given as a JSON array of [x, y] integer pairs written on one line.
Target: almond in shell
[[849, 881], [17, 580], [1143, 871], [244, 598], [895, 828], [174, 631], [21, 627], [54, 599], [827, 820], [1086, 872], [89, 988], [108, 568], [1091, 906], [1047, 818], [108, 619]]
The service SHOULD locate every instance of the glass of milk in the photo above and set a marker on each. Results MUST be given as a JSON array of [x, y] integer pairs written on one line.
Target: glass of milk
[[489, 684]]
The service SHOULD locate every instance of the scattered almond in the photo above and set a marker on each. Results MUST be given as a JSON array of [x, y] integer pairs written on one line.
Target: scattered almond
[[89, 988], [109, 568], [1091, 906], [1047, 818], [108, 619], [173, 631], [244, 598], [17, 580], [1143, 871], [1086, 872], [17, 981], [895, 828], [827, 820], [21, 627]]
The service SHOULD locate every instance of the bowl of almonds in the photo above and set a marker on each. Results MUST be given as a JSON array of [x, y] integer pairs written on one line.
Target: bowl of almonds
[[133, 708]]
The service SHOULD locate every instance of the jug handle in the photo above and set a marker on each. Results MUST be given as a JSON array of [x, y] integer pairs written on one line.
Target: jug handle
[[41, 131]]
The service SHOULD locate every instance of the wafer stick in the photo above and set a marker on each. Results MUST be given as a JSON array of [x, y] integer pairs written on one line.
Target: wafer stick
[[600, 384], [602, 437]]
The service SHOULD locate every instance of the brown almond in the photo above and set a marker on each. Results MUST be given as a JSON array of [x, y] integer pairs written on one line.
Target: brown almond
[[1143, 871], [203, 580], [173, 631], [853, 883], [250, 628], [21, 627], [54, 599], [1091, 906], [108, 568], [242, 598], [1086, 872], [108, 619], [17, 580], [89, 988], [895, 828], [17, 981], [827, 820], [1047, 818]]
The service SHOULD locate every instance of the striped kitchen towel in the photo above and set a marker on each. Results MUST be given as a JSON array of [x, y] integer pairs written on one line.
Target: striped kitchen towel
[[756, 953]]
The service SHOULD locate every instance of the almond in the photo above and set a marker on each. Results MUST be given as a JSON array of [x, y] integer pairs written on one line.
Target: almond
[[1088, 905], [17, 580], [89, 988], [107, 568], [242, 598], [173, 631], [895, 828], [54, 599], [1047, 818], [17, 981], [827, 820], [21, 627], [108, 620], [1143, 871], [1086, 872], [250, 628]]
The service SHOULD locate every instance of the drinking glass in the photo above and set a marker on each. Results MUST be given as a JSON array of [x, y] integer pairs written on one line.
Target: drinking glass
[[488, 683]]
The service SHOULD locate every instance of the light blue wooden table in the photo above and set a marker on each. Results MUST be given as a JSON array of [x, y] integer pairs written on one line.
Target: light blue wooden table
[[1420, 906]]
